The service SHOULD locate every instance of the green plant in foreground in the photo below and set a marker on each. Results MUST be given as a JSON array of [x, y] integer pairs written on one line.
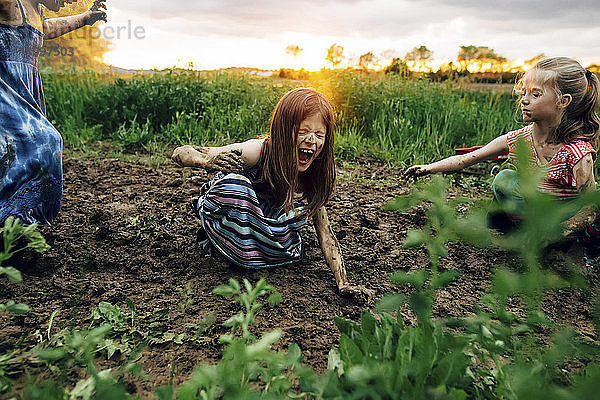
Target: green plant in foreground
[[248, 369], [383, 358], [249, 300], [79, 348], [491, 355], [12, 233]]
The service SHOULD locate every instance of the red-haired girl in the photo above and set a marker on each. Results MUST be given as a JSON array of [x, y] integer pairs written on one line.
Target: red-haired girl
[[251, 217]]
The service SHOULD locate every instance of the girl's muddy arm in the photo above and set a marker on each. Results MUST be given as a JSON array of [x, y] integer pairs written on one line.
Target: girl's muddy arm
[[584, 178], [232, 158], [333, 257], [456, 163], [56, 27], [584, 173]]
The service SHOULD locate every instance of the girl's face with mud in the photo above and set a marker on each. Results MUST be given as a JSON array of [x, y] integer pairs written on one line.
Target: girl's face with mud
[[538, 98], [311, 139]]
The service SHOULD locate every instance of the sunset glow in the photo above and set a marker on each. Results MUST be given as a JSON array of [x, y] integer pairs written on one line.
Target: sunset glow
[[211, 35]]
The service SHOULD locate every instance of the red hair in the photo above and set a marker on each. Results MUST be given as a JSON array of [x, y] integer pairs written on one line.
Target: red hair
[[280, 170]]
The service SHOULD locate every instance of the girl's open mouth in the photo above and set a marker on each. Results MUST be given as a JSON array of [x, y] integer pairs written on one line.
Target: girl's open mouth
[[305, 155]]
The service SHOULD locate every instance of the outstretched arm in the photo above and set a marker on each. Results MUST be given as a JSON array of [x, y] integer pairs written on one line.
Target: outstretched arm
[[456, 163], [333, 257], [232, 158], [56, 27]]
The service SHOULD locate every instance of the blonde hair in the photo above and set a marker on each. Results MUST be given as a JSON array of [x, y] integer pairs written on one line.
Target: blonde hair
[[280, 170], [580, 119]]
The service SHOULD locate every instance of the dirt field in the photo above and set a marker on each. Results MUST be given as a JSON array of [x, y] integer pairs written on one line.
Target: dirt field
[[126, 231]]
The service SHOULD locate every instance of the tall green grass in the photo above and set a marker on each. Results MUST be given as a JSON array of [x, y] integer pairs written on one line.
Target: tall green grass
[[390, 118]]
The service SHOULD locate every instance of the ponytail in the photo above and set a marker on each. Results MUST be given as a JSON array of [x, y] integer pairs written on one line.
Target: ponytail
[[590, 106]]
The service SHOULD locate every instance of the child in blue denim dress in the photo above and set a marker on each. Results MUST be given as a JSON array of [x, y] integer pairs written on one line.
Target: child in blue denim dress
[[30, 147]]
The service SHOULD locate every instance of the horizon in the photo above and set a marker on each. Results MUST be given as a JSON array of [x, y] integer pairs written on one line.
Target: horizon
[[269, 35]]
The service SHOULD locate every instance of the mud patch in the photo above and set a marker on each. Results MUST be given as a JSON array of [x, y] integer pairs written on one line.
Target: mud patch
[[126, 230]]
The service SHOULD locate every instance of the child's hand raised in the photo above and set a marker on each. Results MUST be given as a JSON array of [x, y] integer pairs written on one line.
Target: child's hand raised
[[95, 13], [417, 170]]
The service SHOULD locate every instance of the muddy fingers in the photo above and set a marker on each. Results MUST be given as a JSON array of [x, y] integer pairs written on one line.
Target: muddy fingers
[[360, 293], [98, 4], [228, 162]]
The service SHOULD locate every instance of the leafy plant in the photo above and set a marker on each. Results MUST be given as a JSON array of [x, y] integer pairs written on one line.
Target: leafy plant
[[14, 233], [130, 330], [79, 347], [249, 300], [248, 369]]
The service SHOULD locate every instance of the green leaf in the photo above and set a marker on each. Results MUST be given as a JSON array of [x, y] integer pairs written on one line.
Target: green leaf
[[415, 239], [264, 344], [226, 290], [237, 319], [52, 316], [226, 339], [421, 304], [13, 274], [234, 284], [414, 278], [274, 299], [164, 393], [444, 279], [51, 354], [368, 323], [248, 285], [347, 326], [350, 353], [130, 306], [85, 388], [391, 303], [15, 308], [506, 283], [402, 203], [294, 356]]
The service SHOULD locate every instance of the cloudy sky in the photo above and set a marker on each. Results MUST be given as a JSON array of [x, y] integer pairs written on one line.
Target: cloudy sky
[[224, 33]]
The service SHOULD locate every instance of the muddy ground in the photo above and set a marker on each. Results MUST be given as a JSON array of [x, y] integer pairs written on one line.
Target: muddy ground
[[126, 231]]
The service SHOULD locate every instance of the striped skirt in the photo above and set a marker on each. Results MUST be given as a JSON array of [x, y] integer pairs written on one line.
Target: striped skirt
[[242, 224]]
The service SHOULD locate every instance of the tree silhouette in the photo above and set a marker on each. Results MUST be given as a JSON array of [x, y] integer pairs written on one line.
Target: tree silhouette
[[478, 55], [418, 57], [83, 48], [335, 55], [366, 60], [294, 50], [420, 53], [397, 66]]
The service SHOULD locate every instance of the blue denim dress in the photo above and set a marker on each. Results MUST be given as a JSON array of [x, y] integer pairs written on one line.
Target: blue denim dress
[[30, 147]]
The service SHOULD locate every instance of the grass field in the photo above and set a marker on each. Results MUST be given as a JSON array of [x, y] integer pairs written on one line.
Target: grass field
[[391, 119]]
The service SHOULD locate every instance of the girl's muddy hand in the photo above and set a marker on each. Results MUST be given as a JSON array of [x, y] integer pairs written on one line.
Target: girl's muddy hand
[[95, 13], [191, 156], [360, 293], [230, 161], [417, 170]]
